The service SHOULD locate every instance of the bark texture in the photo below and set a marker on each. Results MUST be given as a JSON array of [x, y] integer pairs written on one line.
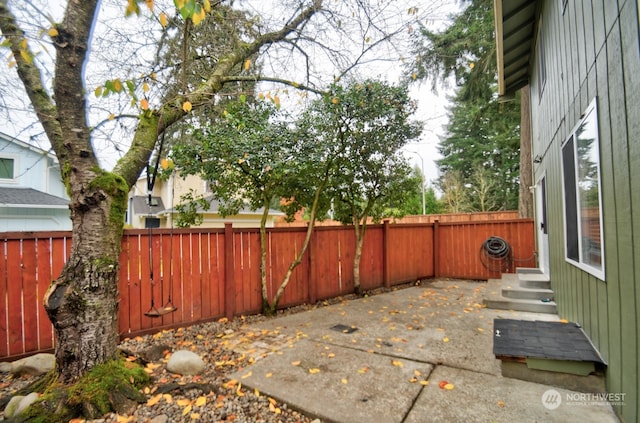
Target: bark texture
[[525, 201]]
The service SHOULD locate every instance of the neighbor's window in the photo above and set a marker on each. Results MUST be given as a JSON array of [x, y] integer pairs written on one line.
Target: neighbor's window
[[6, 168], [582, 195]]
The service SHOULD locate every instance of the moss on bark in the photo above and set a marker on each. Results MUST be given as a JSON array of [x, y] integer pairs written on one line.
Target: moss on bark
[[102, 390]]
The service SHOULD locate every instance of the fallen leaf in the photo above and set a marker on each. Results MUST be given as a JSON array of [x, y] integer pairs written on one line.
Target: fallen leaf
[[442, 384], [424, 382], [248, 374], [201, 401], [314, 371], [186, 410], [449, 386], [295, 363], [154, 400], [344, 381], [397, 363], [268, 375], [183, 402], [195, 416], [445, 339], [500, 403]]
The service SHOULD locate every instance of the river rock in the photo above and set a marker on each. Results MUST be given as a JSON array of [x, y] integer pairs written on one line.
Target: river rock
[[185, 363], [35, 365]]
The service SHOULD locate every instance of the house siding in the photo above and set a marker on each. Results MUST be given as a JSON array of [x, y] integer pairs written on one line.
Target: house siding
[[593, 50]]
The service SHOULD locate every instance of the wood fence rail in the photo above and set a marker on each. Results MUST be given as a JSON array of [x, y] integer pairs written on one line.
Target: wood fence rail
[[211, 273]]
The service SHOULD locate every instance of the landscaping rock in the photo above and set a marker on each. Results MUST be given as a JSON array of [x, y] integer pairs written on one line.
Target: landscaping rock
[[12, 406], [185, 363], [160, 419], [35, 365], [25, 402], [6, 367]]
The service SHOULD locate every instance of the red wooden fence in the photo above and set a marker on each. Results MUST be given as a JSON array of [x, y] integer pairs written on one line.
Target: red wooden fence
[[211, 273]]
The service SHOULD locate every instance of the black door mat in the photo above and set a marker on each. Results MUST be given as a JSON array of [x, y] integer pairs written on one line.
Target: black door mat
[[540, 339]]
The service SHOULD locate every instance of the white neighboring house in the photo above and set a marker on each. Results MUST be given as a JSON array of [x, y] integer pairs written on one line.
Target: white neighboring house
[[167, 194], [32, 195]]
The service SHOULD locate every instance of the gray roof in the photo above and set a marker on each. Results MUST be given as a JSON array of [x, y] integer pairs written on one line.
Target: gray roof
[[17, 196], [515, 35], [140, 205]]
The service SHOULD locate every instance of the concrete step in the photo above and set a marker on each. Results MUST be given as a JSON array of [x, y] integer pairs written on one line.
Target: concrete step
[[532, 278], [508, 294], [520, 293], [531, 306]]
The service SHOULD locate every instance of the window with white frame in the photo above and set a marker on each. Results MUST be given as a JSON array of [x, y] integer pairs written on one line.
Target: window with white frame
[[7, 168], [584, 245]]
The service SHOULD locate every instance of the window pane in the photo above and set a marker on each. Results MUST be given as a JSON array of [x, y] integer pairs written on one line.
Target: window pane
[[6, 168], [588, 161], [571, 214]]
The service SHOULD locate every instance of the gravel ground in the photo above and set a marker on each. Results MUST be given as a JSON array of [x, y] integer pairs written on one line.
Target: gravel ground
[[225, 347]]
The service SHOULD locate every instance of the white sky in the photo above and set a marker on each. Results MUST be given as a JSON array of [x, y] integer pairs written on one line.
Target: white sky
[[431, 106]]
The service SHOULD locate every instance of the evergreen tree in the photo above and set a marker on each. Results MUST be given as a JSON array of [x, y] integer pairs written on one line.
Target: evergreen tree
[[482, 134]]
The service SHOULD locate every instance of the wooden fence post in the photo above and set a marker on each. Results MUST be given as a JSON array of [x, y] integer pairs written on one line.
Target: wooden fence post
[[436, 248], [229, 273], [385, 254]]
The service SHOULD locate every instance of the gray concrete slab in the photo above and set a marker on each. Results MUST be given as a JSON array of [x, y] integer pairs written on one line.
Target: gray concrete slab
[[428, 333]]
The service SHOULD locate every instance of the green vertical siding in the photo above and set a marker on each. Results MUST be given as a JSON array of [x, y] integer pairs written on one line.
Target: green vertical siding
[[593, 50]]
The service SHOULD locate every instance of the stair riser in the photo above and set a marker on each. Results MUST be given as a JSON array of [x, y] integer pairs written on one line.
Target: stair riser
[[526, 295], [531, 308], [535, 284]]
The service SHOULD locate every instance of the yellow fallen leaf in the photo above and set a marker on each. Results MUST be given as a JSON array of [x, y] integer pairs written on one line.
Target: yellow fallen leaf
[[424, 382], [397, 363], [268, 375], [187, 106], [201, 401], [167, 398], [183, 402], [314, 371], [154, 400], [195, 416], [413, 380], [186, 410], [500, 403], [449, 386], [124, 419], [331, 355], [256, 392], [445, 339], [344, 381], [564, 321], [480, 330], [295, 363], [246, 375], [417, 373], [144, 104]]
